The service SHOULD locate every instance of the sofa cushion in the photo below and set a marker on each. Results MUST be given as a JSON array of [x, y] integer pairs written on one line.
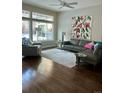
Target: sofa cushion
[[74, 41], [79, 48], [83, 42], [68, 46]]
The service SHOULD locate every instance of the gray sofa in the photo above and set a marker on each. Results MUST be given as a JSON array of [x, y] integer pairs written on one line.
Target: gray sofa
[[75, 45], [94, 56], [49, 44], [30, 49]]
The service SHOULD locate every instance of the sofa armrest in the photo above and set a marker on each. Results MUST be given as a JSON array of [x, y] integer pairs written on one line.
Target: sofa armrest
[[99, 56], [31, 50], [36, 43]]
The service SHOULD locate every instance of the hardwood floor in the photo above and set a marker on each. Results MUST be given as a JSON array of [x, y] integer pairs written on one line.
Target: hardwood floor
[[41, 75]]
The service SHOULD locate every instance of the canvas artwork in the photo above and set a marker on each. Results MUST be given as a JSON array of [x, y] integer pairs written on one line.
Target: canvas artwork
[[81, 27]]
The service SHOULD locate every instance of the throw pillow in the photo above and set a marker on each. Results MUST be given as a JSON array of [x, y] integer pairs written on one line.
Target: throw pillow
[[25, 41], [95, 48], [89, 45]]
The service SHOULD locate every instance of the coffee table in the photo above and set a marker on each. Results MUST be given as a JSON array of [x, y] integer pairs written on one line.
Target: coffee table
[[79, 56]]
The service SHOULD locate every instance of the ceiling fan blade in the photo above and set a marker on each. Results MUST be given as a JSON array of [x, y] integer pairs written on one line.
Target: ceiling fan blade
[[69, 6], [73, 3], [65, 4]]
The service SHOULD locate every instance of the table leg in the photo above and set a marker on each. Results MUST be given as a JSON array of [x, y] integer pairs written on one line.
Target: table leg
[[94, 67], [78, 61]]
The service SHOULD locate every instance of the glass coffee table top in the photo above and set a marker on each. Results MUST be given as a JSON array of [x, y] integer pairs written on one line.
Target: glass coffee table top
[[80, 54]]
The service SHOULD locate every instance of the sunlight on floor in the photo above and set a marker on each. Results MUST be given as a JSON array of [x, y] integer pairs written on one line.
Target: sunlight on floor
[[45, 67]]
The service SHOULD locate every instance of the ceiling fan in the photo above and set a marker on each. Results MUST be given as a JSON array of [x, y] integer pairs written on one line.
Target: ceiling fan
[[65, 4]]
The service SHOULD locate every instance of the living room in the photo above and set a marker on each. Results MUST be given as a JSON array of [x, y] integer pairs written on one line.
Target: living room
[[50, 38], [47, 46], [59, 24]]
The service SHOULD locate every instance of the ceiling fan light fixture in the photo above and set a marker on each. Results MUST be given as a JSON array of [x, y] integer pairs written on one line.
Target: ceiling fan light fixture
[[65, 4]]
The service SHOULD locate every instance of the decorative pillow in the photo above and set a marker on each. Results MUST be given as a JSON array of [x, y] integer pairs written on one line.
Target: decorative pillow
[[95, 48], [25, 41], [89, 45]]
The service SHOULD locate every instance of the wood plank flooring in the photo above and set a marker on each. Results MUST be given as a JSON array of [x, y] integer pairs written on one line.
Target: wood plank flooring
[[41, 75]]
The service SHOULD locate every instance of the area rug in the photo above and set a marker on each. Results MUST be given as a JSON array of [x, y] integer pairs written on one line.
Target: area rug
[[63, 57]]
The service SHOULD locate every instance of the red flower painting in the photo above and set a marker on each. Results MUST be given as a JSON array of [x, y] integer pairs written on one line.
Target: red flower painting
[[81, 27]]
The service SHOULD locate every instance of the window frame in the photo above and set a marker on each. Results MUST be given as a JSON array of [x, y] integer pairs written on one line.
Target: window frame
[[37, 20], [29, 25], [44, 16]]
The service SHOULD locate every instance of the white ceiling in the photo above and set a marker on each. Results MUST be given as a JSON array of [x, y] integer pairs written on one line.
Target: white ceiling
[[47, 4]]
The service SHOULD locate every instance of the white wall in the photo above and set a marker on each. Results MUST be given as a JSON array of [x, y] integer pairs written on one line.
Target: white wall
[[65, 20]]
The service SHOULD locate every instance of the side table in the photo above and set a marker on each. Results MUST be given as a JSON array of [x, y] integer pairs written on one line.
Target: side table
[[60, 44]]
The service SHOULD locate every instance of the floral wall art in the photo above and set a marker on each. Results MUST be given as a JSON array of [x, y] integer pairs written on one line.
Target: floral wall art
[[81, 27]]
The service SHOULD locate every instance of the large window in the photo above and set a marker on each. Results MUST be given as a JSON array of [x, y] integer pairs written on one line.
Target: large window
[[42, 26], [25, 23], [26, 13], [42, 31], [25, 28], [40, 16]]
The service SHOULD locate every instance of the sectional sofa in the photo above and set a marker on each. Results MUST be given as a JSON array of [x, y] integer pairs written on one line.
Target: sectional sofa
[[94, 54]]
